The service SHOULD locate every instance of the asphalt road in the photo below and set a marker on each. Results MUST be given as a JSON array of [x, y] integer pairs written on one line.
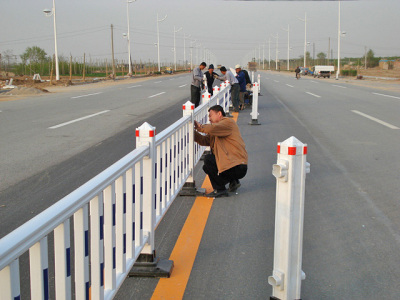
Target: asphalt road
[[351, 225], [52, 144]]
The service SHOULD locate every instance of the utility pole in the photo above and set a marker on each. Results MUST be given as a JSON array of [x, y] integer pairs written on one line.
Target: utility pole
[[329, 51], [305, 37], [112, 51], [365, 57], [269, 55]]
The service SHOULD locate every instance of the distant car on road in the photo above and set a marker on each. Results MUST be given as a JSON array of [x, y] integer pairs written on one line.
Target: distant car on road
[[305, 71]]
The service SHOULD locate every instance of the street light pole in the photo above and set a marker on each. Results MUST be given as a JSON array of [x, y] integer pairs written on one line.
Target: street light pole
[[50, 13], [276, 54], [158, 41], [338, 68], [305, 37], [175, 31], [288, 46], [129, 39], [184, 48]]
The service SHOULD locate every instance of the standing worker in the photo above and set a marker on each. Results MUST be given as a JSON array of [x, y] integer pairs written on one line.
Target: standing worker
[[211, 76], [228, 75], [241, 77], [297, 71], [195, 87], [227, 162]]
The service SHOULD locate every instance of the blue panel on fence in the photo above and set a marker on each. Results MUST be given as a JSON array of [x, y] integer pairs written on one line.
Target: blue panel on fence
[[114, 258], [170, 155], [124, 203], [161, 165], [155, 201], [124, 243], [68, 256], [87, 285], [18, 297], [101, 227], [46, 283], [114, 214], [101, 274], [166, 187], [141, 220], [166, 160], [86, 243]]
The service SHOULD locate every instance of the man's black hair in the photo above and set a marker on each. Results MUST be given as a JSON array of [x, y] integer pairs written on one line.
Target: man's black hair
[[203, 64], [222, 69], [217, 108]]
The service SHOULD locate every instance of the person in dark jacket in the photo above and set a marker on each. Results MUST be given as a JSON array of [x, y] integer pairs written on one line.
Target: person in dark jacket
[[195, 87], [241, 77], [211, 76]]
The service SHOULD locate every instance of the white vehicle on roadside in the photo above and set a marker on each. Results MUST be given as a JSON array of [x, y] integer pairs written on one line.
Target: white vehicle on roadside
[[323, 71]]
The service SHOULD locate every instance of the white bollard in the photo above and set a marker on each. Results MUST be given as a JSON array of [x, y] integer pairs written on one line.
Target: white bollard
[[254, 107], [259, 83], [290, 172], [205, 97], [252, 76]]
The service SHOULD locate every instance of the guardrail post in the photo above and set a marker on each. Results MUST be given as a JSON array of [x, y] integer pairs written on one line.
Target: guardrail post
[[9, 281], [205, 98], [290, 172], [189, 188], [148, 264], [254, 106]]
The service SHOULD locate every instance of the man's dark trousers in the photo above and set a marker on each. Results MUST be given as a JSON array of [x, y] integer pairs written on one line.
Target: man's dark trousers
[[235, 89], [195, 95], [218, 181]]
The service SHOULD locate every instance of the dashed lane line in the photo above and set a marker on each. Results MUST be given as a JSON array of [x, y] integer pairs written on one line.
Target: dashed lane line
[[157, 81], [131, 87], [317, 96], [183, 85], [390, 96], [339, 86], [375, 119], [156, 95], [77, 120], [289, 85], [276, 80], [86, 95]]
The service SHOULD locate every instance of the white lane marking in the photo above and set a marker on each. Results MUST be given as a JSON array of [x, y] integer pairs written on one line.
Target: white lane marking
[[289, 85], [86, 95], [276, 80], [375, 119], [77, 120], [339, 86], [386, 95], [313, 95], [183, 85], [157, 81], [156, 95], [314, 81], [135, 86]]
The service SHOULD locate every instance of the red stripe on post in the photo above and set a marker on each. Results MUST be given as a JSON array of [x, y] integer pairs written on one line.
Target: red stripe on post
[[292, 150], [151, 133], [192, 107], [137, 133], [305, 150], [279, 149], [183, 107]]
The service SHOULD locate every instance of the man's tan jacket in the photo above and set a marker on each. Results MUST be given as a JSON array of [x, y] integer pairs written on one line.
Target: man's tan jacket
[[225, 141]]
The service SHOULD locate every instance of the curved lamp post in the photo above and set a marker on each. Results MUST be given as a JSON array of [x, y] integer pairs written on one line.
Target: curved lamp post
[[50, 13], [158, 41]]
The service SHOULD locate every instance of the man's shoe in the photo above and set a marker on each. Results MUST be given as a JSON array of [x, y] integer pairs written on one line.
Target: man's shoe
[[234, 185], [217, 194]]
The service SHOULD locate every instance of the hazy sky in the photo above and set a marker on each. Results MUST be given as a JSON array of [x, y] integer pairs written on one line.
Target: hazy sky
[[231, 30]]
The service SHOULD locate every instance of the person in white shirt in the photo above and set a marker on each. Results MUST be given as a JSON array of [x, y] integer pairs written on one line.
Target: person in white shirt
[[235, 88]]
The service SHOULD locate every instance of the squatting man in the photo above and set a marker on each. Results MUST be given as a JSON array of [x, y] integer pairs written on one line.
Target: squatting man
[[227, 162]]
